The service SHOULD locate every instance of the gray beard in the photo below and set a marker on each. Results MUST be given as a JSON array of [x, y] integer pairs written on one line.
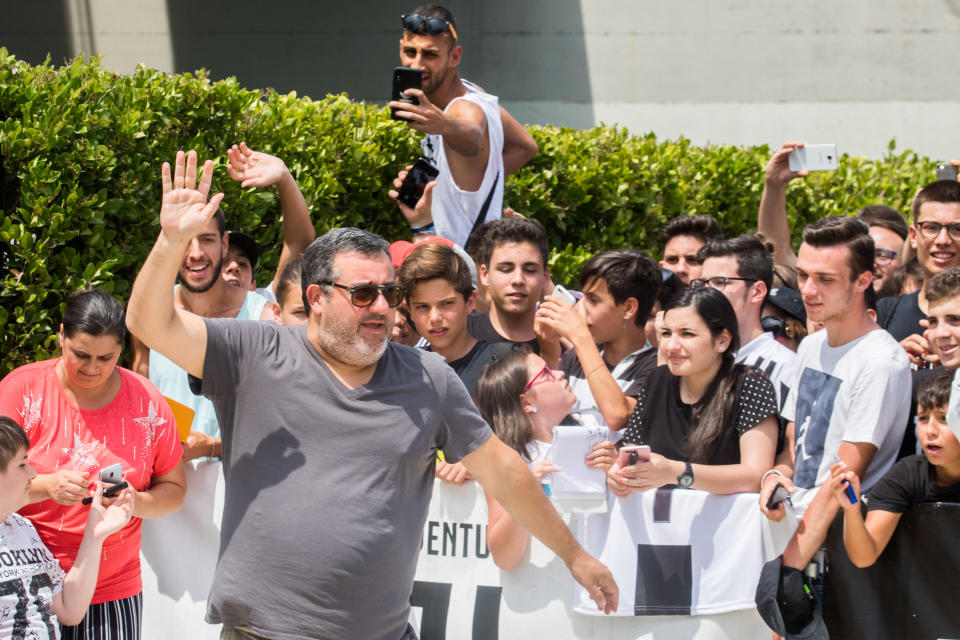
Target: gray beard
[[349, 348]]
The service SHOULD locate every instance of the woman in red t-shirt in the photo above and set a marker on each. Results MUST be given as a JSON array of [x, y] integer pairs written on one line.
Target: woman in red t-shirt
[[83, 413]]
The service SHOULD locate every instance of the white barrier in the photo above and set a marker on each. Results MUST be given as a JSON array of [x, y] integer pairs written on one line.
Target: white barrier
[[459, 592]]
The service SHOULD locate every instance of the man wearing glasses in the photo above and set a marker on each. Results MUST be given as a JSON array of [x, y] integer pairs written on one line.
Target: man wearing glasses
[[742, 269], [935, 234], [889, 232], [330, 433], [473, 141]]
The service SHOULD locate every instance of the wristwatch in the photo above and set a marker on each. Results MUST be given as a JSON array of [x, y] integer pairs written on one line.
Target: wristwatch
[[685, 479]]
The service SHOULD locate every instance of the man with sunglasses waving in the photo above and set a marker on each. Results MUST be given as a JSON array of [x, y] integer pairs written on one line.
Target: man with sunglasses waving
[[742, 269], [330, 433], [471, 140], [935, 234]]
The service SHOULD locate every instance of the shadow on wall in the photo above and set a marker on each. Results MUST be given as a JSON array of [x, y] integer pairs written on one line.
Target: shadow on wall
[[31, 30], [529, 52]]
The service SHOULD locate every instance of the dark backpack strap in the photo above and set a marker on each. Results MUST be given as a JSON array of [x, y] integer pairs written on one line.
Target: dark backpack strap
[[485, 207]]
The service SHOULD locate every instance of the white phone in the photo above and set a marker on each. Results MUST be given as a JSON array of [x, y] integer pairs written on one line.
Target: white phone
[[561, 292], [112, 474], [814, 157]]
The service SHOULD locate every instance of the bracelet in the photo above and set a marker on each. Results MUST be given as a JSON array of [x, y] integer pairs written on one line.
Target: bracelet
[[602, 364], [770, 473], [425, 228], [213, 448]]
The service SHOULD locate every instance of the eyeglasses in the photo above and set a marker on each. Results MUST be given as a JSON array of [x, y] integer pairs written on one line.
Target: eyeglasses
[[773, 324], [931, 229], [545, 373], [717, 282], [364, 295], [886, 256], [431, 26]]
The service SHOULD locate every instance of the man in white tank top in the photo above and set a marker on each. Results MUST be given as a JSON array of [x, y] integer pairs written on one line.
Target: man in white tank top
[[471, 140]]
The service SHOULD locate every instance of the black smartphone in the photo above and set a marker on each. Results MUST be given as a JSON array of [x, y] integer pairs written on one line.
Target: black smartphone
[[404, 78], [946, 171], [110, 492], [779, 495], [417, 178]]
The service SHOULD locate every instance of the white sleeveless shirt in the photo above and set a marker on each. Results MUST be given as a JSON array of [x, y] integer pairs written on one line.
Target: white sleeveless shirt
[[455, 210]]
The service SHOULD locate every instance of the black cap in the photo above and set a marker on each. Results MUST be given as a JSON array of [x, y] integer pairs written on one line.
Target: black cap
[[789, 301], [246, 244]]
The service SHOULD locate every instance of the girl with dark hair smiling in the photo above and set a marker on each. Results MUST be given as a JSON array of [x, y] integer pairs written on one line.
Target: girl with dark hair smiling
[[710, 424]]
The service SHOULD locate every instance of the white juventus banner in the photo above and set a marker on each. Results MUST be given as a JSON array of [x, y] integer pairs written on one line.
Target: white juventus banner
[[677, 552], [458, 593]]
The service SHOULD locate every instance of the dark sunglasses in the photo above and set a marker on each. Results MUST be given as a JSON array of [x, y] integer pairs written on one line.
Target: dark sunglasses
[[364, 295], [431, 26], [773, 324]]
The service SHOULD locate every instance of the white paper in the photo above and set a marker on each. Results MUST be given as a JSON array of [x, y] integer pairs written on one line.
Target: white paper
[[578, 488]]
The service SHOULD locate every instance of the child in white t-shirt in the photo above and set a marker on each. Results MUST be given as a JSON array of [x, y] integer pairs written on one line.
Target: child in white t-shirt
[[33, 587], [931, 477]]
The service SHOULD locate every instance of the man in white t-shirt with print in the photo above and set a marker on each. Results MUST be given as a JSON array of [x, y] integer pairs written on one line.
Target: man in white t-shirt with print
[[742, 269], [853, 390]]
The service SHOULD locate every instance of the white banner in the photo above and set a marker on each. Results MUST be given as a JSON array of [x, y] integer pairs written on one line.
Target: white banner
[[459, 592]]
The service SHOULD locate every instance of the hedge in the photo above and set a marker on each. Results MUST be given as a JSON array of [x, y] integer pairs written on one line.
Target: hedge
[[81, 148]]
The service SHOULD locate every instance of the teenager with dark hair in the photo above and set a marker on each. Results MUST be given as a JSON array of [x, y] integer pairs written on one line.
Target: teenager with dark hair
[[38, 594], [513, 268], [889, 232], [711, 424], [83, 413], [681, 238], [610, 358], [742, 270], [935, 235], [853, 393]]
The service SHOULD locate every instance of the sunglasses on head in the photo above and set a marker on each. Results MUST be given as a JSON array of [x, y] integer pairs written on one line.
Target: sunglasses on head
[[430, 26], [364, 295]]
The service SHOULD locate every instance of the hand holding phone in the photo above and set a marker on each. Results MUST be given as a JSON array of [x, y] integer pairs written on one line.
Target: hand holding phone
[[779, 494], [404, 78], [111, 475], [561, 292], [411, 189], [632, 454], [814, 157]]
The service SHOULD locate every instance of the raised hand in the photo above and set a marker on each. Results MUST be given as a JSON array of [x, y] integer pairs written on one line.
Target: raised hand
[[254, 168], [421, 214], [778, 169], [184, 210]]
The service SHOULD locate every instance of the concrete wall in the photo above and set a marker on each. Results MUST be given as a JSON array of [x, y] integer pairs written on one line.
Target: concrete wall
[[856, 73]]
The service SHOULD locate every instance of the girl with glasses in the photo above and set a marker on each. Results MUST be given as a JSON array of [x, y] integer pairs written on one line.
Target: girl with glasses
[[522, 399], [711, 424]]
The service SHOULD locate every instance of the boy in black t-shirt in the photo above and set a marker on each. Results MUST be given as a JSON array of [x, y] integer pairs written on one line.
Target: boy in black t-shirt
[[931, 477]]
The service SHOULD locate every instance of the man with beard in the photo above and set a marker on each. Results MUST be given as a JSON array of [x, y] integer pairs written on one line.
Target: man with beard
[[330, 434], [473, 141], [202, 291]]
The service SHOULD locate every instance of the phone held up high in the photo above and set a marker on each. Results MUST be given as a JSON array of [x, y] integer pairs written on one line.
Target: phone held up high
[[404, 78], [946, 171], [417, 178], [814, 157]]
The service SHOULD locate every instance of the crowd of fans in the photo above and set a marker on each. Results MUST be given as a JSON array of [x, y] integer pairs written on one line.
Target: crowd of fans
[[740, 365]]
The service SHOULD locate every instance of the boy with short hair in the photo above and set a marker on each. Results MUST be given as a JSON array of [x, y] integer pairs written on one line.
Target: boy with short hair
[[681, 239], [513, 268], [619, 290], [933, 476], [440, 297], [67, 596]]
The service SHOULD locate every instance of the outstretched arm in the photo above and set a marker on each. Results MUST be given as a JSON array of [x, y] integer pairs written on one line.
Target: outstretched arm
[[151, 314], [257, 169], [500, 471], [772, 218]]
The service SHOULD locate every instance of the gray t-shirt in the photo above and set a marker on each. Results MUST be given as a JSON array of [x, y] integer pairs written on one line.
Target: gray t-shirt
[[327, 488]]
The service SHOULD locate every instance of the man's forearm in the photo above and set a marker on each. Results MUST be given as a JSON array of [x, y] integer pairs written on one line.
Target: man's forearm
[[772, 222], [812, 531], [151, 308], [298, 231]]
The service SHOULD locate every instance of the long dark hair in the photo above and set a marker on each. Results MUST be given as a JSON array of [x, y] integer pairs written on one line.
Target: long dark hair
[[713, 413], [497, 396]]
